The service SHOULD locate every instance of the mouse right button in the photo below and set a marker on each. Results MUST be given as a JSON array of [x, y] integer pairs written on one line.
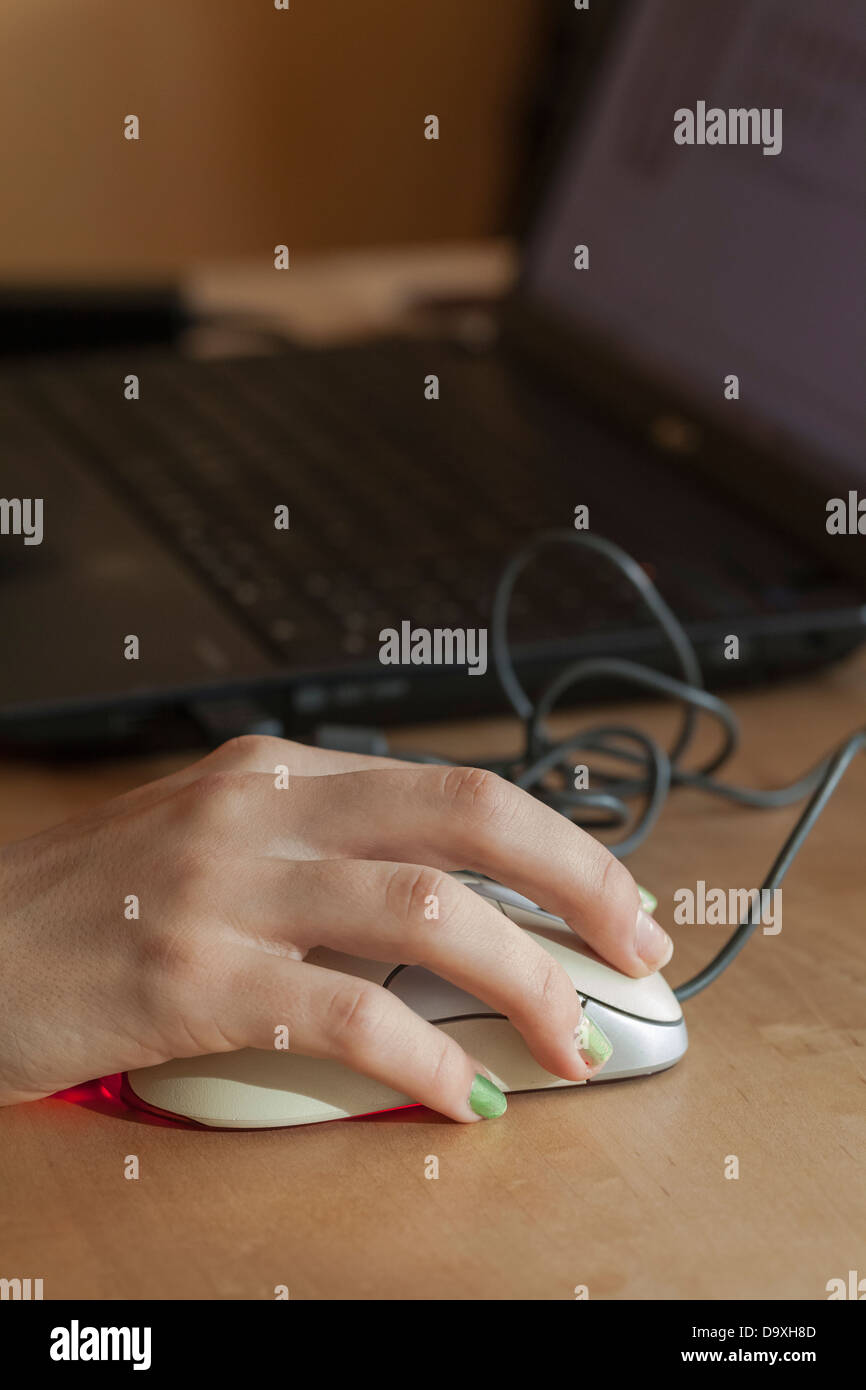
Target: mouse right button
[[648, 996], [639, 1047]]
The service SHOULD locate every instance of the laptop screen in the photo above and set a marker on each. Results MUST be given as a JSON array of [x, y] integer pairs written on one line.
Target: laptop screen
[[736, 248]]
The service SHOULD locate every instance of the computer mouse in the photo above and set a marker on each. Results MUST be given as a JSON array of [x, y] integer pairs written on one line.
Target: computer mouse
[[254, 1089]]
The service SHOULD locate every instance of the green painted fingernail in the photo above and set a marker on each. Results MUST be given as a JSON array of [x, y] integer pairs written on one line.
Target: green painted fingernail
[[648, 901], [593, 1045], [486, 1099]]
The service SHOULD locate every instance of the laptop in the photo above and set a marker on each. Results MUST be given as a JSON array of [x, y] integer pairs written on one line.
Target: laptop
[[690, 391]]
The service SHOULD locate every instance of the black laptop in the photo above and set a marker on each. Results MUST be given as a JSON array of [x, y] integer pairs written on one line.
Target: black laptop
[[692, 380]]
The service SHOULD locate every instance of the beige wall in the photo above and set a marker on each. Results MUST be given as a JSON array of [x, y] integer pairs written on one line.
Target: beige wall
[[257, 126]]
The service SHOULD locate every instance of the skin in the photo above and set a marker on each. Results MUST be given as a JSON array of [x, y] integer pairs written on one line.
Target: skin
[[239, 879]]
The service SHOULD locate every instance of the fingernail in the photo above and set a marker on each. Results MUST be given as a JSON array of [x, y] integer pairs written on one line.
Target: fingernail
[[648, 901], [593, 1045], [652, 943], [486, 1099]]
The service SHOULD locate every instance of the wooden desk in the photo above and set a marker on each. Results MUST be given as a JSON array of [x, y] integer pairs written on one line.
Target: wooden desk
[[619, 1187]]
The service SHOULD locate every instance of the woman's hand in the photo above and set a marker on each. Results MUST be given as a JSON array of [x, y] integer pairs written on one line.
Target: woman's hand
[[240, 871]]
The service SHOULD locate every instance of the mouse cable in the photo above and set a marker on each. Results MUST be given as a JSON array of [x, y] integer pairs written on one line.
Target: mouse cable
[[545, 766], [836, 770]]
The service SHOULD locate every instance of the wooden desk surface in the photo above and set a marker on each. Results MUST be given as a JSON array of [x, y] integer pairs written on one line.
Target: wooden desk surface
[[619, 1187]]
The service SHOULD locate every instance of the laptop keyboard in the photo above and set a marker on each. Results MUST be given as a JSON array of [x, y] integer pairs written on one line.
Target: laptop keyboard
[[401, 508]]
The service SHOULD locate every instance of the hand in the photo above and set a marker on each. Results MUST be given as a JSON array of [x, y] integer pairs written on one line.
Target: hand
[[238, 878]]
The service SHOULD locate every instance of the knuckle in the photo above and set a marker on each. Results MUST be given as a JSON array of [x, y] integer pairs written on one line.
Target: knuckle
[[170, 953], [249, 750], [410, 888], [549, 985], [616, 886], [445, 1064], [177, 954], [195, 877], [217, 796], [477, 793], [355, 1018], [172, 967]]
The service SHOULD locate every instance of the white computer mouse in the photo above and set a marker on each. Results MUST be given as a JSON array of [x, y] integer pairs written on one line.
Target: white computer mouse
[[257, 1089]]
